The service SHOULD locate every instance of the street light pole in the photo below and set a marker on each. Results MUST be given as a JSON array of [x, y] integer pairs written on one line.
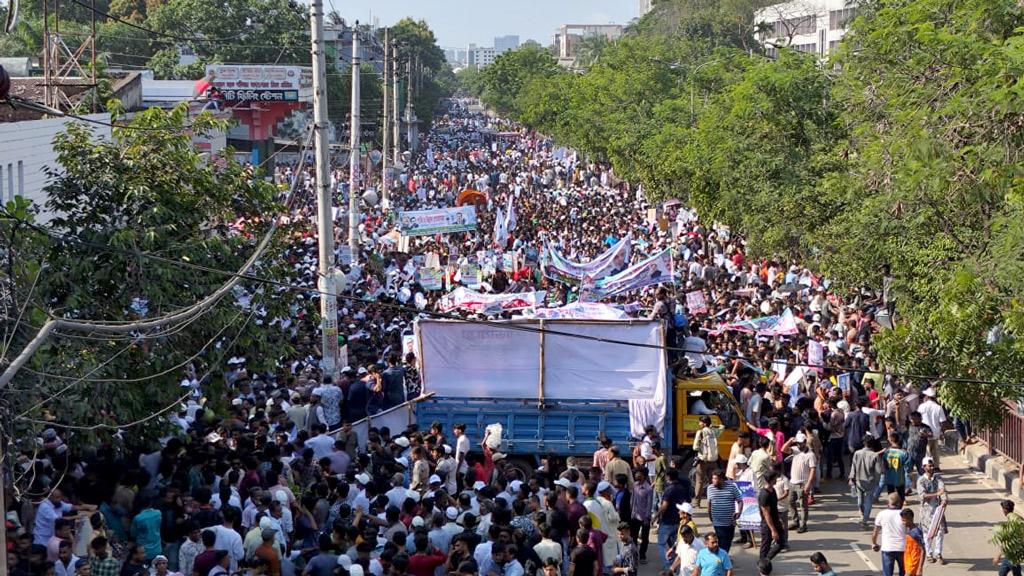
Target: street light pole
[[324, 199], [692, 82]]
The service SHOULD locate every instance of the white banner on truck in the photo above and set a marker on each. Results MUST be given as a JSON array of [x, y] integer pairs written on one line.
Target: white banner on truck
[[462, 359]]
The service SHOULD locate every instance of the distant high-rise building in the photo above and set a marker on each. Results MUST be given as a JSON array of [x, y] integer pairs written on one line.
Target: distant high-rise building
[[643, 7], [503, 44]]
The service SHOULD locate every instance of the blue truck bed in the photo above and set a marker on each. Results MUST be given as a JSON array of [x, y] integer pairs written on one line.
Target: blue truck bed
[[562, 427]]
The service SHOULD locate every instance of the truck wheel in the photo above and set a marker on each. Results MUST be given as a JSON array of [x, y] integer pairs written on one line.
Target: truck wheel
[[524, 467]]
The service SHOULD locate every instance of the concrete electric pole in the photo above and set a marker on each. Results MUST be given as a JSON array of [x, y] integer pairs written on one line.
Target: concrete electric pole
[[353, 154], [324, 199], [385, 191]]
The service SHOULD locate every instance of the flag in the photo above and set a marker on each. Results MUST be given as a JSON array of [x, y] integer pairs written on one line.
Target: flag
[[510, 216], [500, 230]]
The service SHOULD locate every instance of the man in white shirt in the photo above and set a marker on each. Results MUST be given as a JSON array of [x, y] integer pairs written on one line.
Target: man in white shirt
[[801, 478], [889, 536], [228, 539], [933, 415], [687, 548], [461, 450]]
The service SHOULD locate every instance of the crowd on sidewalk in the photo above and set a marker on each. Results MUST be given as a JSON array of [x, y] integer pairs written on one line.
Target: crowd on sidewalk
[[281, 484]]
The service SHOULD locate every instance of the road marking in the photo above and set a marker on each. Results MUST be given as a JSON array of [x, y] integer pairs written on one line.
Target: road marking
[[864, 557]]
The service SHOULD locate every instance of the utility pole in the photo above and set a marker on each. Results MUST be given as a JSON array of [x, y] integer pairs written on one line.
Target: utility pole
[[324, 200], [385, 191], [353, 153], [397, 119]]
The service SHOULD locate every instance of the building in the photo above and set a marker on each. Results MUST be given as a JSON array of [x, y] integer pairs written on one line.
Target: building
[[643, 7], [813, 26], [480, 57], [503, 44], [568, 37]]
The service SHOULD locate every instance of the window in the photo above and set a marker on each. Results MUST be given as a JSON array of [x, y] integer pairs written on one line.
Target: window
[[811, 48], [832, 45], [840, 19]]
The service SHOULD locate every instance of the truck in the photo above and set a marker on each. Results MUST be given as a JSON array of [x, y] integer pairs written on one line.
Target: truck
[[557, 386]]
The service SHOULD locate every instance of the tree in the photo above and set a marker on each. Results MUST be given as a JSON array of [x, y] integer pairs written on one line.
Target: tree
[[146, 192], [470, 80], [589, 50], [510, 71], [252, 31]]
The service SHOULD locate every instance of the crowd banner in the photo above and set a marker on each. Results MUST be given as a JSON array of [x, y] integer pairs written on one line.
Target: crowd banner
[[750, 515], [657, 269], [582, 311], [490, 303], [696, 303], [815, 354], [437, 221], [613, 261], [784, 325]]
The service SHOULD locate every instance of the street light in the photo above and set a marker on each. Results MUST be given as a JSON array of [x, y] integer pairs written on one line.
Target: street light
[[695, 70]]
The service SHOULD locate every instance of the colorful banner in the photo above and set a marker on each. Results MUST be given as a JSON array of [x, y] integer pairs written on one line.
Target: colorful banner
[[490, 303], [695, 302], [508, 262], [613, 261], [469, 274], [784, 325], [655, 270], [815, 354], [582, 311], [438, 221], [750, 515], [431, 278]]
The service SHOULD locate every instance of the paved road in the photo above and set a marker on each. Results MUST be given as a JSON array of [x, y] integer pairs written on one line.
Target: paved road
[[973, 509]]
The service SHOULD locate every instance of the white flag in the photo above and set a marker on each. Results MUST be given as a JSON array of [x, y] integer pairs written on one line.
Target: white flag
[[510, 216]]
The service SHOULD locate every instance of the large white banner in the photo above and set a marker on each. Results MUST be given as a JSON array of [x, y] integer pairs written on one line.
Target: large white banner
[[497, 360]]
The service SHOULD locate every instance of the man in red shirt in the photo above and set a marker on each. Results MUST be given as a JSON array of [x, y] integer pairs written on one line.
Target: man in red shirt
[[426, 559]]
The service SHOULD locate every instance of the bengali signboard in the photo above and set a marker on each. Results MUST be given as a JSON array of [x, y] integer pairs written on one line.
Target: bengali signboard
[[264, 83], [437, 221]]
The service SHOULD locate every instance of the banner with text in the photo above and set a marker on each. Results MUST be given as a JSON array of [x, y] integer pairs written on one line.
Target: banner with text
[[655, 270], [437, 221], [613, 261], [490, 303]]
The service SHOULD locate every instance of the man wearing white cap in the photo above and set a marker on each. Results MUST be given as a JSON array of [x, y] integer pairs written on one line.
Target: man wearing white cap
[[932, 489], [933, 416], [801, 478], [605, 518]]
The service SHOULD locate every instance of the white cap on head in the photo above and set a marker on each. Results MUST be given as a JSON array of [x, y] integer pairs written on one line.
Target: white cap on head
[[515, 486], [479, 485], [563, 482], [741, 459], [402, 441], [434, 479], [930, 392], [363, 478], [685, 507], [927, 460], [451, 513], [801, 437], [403, 461], [355, 570], [417, 521], [603, 486]]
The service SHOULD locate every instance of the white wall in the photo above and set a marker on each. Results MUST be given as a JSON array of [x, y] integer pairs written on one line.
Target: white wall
[[26, 148], [826, 22]]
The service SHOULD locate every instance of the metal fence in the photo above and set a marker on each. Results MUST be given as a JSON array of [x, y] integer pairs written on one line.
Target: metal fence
[[1008, 439]]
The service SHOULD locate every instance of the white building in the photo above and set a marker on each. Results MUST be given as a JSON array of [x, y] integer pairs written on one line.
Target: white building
[[813, 26], [481, 56], [26, 150], [643, 7], [568, 37]]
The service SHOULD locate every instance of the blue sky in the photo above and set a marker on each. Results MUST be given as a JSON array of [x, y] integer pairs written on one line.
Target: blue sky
[[456, 23]]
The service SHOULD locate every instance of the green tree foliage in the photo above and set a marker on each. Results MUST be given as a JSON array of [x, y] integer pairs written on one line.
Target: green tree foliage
[[470, 80], [906, 150], [145, 192], [510, 71]]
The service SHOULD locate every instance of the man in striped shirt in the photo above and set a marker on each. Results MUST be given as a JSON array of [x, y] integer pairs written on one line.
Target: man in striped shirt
[[724, 503]]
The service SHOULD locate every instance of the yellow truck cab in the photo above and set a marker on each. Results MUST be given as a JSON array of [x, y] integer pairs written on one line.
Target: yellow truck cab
[[709, 394]]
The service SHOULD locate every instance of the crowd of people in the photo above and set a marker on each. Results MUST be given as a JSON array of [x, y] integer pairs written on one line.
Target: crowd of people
[[281, 483]]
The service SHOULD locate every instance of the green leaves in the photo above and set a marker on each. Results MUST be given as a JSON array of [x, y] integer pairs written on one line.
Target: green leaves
[[511, 71]]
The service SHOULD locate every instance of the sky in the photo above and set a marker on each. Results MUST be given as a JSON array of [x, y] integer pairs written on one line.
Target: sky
[[457, 23]]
